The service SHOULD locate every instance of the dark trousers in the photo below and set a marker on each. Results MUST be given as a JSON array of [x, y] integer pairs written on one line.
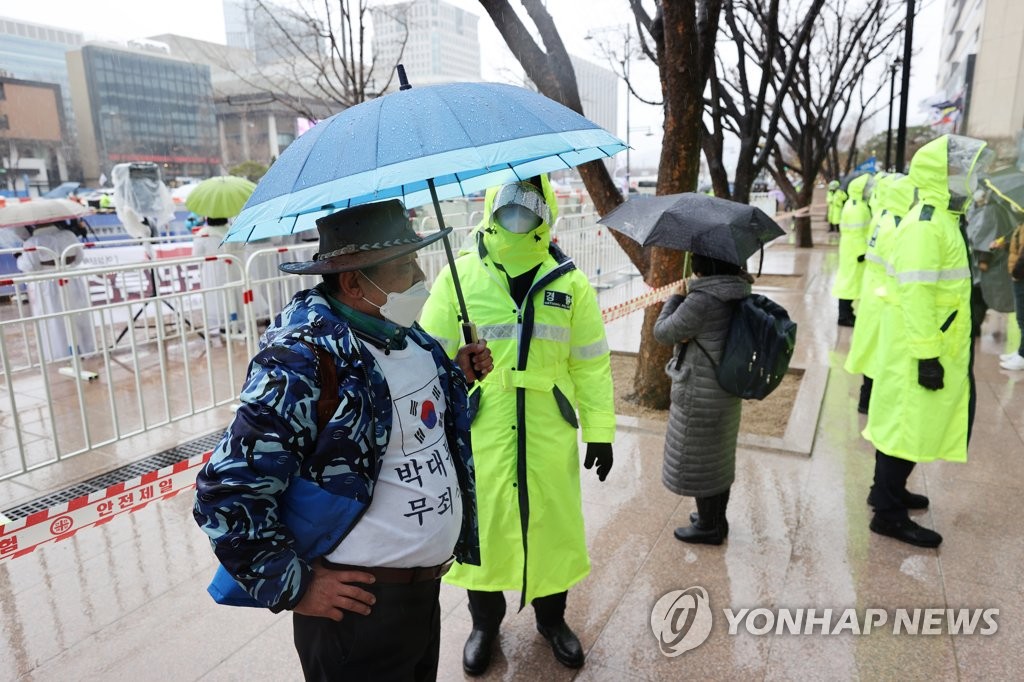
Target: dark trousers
[[488, 609], [399, 640], [865, 394], [891, 474], [846, 310]]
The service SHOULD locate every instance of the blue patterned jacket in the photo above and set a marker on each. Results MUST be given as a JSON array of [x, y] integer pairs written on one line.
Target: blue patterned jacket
[[264, 493]]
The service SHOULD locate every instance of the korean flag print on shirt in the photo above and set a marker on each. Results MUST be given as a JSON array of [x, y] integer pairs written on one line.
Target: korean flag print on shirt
[[416, 512]]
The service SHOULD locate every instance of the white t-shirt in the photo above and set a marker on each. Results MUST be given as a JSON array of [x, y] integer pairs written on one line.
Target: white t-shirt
[[416, 513]]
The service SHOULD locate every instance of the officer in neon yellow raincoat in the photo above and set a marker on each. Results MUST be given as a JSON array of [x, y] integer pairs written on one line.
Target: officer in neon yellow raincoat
[[893, 201], [853, 244], [923, 402], [542, 323], [836, 199]]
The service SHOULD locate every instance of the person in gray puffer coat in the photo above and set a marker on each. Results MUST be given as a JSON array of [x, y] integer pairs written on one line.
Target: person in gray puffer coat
[[704, 420]]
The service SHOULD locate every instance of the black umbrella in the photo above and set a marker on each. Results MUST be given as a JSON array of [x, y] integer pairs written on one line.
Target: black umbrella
[[698, 223], [844, 182], [1008, 185]]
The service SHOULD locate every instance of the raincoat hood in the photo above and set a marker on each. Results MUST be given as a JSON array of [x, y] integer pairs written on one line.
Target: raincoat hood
[[946, 171], [833, 185], [855, 190], [899, 196], [518, 253]]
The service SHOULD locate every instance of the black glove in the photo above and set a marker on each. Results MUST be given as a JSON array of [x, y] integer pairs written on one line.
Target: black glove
[[602, 454], [861, 257], [930, 373]]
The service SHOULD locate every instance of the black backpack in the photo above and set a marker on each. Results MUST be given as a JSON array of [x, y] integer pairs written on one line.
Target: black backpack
[[758, 349]]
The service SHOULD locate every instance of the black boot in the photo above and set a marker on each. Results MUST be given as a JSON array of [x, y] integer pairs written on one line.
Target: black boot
[[487, 610], [564, 643], [890, 498], [709, 528], [886, 476], [476, 655]]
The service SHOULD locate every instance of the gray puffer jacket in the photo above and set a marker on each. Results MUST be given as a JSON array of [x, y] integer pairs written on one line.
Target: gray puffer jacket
[[703, 420]]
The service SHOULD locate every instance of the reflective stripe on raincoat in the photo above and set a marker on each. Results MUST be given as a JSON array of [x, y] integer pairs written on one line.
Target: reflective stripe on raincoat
[[853, 241], [551, 361], [933, 294]]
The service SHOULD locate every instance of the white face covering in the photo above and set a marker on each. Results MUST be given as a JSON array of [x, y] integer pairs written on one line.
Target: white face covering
[[402, 308]]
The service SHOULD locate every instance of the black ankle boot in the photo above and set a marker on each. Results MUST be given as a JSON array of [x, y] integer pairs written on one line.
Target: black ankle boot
[[709, 527], [564, 643], [476, 655]]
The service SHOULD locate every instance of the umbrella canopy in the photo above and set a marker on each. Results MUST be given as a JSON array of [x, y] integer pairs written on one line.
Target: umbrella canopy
[[1008, 185], [41, 211], [220, 197], [181, 192], [702, 224], [844, 182], [459, 137]]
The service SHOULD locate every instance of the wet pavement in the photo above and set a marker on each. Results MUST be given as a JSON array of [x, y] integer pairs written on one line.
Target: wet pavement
[[127, 599]]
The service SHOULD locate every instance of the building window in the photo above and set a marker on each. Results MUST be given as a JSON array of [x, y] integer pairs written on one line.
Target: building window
[[2, 94], [4, 124]]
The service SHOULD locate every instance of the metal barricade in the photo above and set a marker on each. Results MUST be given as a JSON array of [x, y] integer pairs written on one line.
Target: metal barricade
[[119, 351], [268, 289]]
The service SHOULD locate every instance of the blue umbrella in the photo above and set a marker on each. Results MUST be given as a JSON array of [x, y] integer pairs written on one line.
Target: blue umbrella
[[465, 137], [419, 145]]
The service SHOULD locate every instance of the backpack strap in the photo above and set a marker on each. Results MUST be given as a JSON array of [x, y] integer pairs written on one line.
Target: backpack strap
[[706, 354], [327, 375]]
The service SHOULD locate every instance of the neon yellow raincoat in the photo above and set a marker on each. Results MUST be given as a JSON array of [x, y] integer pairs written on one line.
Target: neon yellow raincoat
[[933, 295], [853, 241], [551, 361], [894, 195], [835, 206]]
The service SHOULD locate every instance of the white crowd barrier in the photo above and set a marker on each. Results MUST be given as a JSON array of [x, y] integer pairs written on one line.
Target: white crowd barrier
[[137, 335]]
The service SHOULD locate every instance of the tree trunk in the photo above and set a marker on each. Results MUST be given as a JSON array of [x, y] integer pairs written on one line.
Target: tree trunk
[[682, 84], [803, 224]]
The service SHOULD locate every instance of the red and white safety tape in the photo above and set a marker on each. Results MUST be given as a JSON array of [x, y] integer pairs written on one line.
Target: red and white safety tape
[[22, 536], [651, 297]]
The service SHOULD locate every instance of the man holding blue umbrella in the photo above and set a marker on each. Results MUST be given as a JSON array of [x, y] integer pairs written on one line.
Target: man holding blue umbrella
[[353, 430]]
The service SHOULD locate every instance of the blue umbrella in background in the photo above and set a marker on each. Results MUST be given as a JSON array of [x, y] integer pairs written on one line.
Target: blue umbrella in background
[[419, 145]]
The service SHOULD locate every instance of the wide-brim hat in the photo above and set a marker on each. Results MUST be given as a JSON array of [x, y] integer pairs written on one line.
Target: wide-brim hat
[[361, 237]]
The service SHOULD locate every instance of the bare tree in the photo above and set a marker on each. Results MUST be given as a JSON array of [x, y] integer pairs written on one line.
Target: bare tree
[[743, 97], [679, 37], [314, 56], [848, 39]]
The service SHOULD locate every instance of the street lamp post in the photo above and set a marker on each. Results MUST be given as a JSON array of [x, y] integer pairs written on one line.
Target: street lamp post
[[892, 94]]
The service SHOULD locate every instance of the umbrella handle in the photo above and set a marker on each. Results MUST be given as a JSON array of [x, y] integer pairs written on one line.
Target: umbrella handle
[[468, 328]]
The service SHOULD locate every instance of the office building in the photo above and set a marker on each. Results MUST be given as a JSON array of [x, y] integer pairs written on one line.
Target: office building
[[142, 105], [257, 117], [270, 32], [599, 93], [34, 52], [981, 68], [31, 136], [437, 42]]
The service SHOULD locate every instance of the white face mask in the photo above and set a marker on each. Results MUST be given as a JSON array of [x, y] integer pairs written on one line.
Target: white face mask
[[402, 308]]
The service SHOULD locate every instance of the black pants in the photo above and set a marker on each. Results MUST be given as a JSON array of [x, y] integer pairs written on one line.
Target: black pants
[[399, 640], [846, 310], [891, 474], [488, 609]]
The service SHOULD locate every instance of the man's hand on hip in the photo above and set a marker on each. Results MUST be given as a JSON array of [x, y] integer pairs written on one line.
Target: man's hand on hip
[[475, 361], [332, 592]]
